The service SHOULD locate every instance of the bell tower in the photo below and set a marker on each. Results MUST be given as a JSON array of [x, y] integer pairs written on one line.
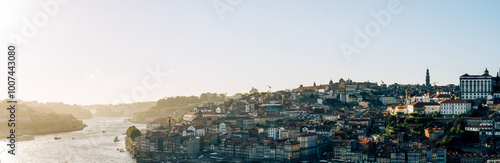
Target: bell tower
[[427, 79]]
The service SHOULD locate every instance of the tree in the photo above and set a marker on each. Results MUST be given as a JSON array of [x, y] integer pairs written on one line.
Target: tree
[[391, 119], [409, 120], [133, 132], [458, 129], [472, 113], [204, 97], [414, 114], [253, 132], [327, 122], [436, 114]]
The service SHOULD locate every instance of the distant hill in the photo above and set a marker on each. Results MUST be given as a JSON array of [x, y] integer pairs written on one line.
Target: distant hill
[[58, 107], [168, 107], [30, 121], [119, 110]]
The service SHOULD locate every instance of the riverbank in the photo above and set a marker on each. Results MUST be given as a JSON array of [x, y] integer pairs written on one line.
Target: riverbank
[[133, 121], [88, 145], [45, 132]]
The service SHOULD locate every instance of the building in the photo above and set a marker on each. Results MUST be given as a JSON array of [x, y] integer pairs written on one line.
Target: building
[[419, 98], [423, 108], [273, 132], [202, 109], [189, 116], [454, 107], [479, 124], [387, 100], [253, 90], [271, 108], [161, 122], [433, 133], [474, 87], [427, 79], [439, 97]]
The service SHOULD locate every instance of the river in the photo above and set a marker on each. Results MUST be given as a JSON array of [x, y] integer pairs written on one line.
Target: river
[[88, 145]]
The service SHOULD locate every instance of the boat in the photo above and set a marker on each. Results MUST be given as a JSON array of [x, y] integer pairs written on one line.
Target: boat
[[116, 139], [57, 138], [103, 131], [121, 150], [26, 138]]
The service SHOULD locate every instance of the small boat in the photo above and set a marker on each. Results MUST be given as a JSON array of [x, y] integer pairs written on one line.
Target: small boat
[[116, 139], [121, 150], [103, 131], [73, 138], [57, 138]]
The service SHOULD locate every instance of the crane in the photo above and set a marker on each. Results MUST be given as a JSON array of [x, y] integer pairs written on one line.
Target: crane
[[435, 84]]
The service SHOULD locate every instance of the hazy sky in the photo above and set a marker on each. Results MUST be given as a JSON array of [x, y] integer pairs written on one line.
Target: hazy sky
[[92, 51]]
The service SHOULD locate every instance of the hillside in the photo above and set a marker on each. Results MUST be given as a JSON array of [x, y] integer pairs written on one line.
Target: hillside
[[60, 108], [32, 122], [119, 110]]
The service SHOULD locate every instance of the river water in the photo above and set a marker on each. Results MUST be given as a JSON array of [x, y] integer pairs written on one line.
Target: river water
[[88, 145]]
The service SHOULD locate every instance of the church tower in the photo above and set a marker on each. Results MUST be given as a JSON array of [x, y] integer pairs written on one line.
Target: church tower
[[427, 79]]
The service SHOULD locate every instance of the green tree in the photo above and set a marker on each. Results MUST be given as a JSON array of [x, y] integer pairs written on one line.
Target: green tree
[[414, 114], [458, 129], [452, 130], [327, 122], [133, 132], [391, 119], [409, 120]]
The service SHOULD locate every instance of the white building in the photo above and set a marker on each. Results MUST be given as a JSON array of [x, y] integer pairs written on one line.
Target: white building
[[222, 128], [474, 87], [273, 132], [189, 116], [388, 100], [197, 130], [454, 107], [423, 108], [420, 98], [439, 97], [202, 109]]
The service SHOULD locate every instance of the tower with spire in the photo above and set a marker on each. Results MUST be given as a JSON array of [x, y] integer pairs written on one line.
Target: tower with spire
[[427, 79]]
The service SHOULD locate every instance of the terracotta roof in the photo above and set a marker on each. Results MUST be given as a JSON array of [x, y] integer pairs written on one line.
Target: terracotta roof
[[453, 101], [420, 104], [442, 96], [364, 141]]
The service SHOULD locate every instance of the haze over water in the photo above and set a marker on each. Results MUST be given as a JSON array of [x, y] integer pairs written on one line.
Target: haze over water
[[89, 145]]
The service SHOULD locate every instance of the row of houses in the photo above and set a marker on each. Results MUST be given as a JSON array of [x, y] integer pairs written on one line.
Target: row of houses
[[445, 107]]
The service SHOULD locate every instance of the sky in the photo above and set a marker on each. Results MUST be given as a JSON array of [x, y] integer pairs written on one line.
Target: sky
[[122, 51]]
